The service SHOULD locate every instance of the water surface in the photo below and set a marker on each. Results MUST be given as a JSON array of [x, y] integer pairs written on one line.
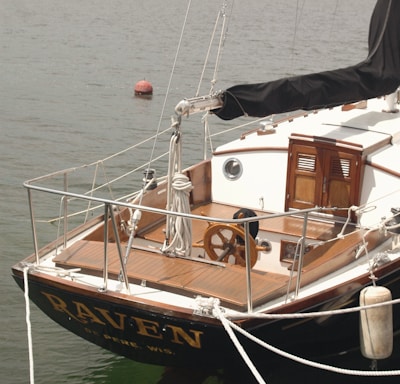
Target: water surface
[[66, 98]]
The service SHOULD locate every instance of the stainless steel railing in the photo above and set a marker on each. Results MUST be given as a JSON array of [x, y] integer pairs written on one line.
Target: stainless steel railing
[[109, 204]]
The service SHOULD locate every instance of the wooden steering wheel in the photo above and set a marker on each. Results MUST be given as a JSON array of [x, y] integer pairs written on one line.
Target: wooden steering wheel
[[226, 242]]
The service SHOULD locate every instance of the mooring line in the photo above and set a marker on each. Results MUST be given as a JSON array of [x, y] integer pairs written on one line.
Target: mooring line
[[28, 325], [229, 326]]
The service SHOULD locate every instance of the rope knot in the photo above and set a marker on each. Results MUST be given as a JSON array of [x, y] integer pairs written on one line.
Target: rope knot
[[205, 306]]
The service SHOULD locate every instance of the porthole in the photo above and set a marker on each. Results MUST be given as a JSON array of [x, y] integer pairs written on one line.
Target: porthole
[[232, 169]]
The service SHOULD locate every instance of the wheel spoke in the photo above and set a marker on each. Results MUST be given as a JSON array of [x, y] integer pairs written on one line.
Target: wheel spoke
[[220, 242], [218, 246], [233, 238]]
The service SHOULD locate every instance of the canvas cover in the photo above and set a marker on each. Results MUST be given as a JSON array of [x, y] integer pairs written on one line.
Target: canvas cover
[[377, 75]]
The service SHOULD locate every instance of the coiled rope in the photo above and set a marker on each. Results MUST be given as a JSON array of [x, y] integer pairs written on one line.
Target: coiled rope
[[180, 228], [229, 326]]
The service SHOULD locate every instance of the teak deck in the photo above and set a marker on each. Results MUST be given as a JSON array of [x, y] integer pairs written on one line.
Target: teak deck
[[184, 276], [285, 225], [191, 277]]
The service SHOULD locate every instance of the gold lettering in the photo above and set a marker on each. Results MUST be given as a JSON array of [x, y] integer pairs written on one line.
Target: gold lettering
[[122, 341], [160, 350], [91, 331], [147, 328], [179, 336], [61, 306], [83, 312], [106, 314]]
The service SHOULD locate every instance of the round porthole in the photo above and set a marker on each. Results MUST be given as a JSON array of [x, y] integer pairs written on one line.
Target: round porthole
[[232, 169]]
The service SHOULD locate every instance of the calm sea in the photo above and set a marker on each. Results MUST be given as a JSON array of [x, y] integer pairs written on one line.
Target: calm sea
[[66, 97]]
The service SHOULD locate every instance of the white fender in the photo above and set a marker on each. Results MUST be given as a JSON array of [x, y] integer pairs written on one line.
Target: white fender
[[376, 324]]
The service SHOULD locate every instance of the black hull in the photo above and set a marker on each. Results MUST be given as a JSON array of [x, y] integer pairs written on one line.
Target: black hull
[[128, 330], [141, 333]]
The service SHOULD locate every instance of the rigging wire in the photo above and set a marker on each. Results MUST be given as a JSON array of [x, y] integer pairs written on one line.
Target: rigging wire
[[168, 87], [330, 32], [297, 21], [223, 33], [208, 52], [296, 25]]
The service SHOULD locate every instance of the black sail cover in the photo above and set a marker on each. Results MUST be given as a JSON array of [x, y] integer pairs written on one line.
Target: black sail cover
[[377, 75]]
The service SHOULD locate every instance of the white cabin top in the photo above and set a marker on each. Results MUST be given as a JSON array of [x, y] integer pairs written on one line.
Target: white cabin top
[[327, 147]]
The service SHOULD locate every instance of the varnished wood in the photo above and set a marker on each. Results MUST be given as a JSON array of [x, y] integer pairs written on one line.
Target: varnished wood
[[183, 276], [200, 176], [334, 255], [321, 186], [190, 278], [287, 225]]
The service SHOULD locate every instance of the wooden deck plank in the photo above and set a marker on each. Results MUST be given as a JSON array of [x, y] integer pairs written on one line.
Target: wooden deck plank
[[164, 270], [90, 258], [286, 225], [178, 275], [191, 278]]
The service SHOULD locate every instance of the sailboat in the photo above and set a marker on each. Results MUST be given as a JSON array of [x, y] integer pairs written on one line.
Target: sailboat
[[286, 236]]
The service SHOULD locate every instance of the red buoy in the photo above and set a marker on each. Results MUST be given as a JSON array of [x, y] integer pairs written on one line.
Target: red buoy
[[143, 88]]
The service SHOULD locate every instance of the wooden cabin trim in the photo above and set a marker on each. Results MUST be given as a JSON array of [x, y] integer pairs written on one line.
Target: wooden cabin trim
[[200, 176], [319, 230], [386, 140], [314, 178], [381, 168], [276, 123], [250, 149], [325, 141], [334, 255]]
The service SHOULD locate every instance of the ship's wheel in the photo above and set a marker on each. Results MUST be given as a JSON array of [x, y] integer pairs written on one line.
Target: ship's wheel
[[226, 242]]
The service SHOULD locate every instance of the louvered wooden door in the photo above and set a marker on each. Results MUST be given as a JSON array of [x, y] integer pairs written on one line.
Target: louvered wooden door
[[325, 176]]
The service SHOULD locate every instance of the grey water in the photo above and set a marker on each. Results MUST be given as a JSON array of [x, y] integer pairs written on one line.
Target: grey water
[[67, 72]]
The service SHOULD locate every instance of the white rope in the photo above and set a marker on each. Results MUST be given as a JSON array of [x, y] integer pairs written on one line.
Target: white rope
[[173, 166], [228, 325], [280, 316], [58, 271], [180, 228], [237, 344], [28, 325]]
